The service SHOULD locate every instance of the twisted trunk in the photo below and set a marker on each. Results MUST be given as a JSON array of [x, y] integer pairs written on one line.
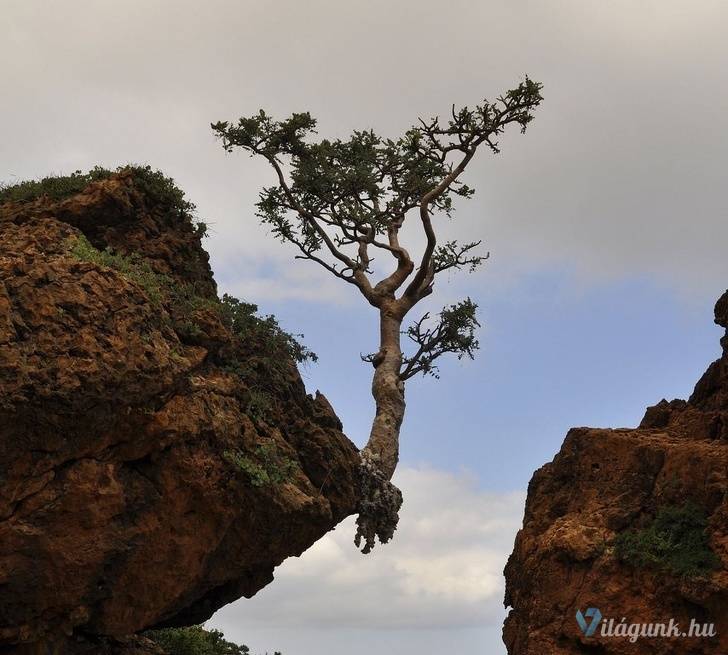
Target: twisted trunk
[[380, 500], [388, 391]]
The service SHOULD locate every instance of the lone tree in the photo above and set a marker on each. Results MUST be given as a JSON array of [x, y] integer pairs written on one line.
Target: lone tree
[[338, 202]]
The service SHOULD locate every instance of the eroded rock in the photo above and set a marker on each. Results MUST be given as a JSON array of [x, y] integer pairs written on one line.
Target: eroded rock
[[121, 507], [602, 483]]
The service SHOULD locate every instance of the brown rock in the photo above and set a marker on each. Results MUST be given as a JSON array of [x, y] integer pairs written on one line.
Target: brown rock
[[601, 483], [120, 507]]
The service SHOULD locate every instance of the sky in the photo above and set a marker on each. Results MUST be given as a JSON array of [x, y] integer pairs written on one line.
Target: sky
[[606, 224]]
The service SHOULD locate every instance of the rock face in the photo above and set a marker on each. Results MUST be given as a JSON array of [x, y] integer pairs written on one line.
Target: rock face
[[141, 483], [601, 484]]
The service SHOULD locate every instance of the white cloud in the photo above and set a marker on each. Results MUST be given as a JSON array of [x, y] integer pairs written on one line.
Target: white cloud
[[443, 569], [620, 174], [270, 279]]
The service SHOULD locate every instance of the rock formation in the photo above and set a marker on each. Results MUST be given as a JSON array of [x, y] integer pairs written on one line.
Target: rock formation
[[150, 470], [607, 483]]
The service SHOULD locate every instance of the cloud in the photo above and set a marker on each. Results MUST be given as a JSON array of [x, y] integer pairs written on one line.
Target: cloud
[[620, 174], [270, 278], [443, 570]]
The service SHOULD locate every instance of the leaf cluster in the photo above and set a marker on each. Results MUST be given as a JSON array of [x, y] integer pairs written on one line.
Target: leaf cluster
[[453, 331], [243, 320], [155, 185], [365, 180], [54, 187]]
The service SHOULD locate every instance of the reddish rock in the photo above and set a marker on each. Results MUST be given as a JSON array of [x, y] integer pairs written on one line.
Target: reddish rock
[[602, 483], [119, 509]]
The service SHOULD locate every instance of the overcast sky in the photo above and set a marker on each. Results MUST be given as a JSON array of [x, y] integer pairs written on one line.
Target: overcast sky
[[606, 225]]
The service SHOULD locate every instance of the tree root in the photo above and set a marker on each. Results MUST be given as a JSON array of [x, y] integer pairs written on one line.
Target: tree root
[[379, 504]]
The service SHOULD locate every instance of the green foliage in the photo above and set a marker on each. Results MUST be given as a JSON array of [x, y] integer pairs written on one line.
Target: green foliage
[[266, 467], [676, 541], [452, 255], [240, 317], [365, 181], [195, 640], [201, 229], [53, 187], [273, 344], [161, 190], [154, 184], [185, 300], [259, 405], [133, 266], [156, 187], [334, 172], [453, 332]]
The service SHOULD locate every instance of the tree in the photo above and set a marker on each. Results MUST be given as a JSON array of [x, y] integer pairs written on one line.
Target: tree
[[340, 202]]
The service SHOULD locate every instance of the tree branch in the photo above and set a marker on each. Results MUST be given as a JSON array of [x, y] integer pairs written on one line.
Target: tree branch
[[360, 278], [415, 286], [453, 333]]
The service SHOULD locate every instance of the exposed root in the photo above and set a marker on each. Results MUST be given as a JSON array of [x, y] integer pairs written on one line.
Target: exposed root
[[379, 503]]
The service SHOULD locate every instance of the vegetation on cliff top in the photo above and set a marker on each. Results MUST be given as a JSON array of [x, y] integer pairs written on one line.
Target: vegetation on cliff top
[[241, 318], [153, 183], [675, 541]]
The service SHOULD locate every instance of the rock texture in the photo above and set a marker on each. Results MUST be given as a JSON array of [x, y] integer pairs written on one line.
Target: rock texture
[[119, 507], [602, 483]]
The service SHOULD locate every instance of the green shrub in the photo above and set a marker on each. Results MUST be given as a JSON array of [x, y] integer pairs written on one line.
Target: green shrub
[[676, 541], [55, 187], [201, 228], [240, 317], [157, 187], [195, 640], [161, 190], [266, 467]]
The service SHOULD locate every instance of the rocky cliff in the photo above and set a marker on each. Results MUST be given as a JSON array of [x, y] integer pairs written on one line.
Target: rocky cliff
[[159, 455], [633, 523]]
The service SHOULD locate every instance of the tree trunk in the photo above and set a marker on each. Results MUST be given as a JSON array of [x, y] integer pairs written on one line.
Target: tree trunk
[[388, 391], [380, 500]]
